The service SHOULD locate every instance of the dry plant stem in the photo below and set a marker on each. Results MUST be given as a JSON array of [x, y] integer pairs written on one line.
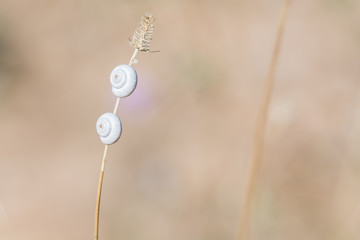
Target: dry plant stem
[[98, 197], [255, 162], [116, 105]]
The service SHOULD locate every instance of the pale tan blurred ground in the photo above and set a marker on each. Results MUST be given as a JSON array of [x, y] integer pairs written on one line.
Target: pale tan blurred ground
[[178, 170]]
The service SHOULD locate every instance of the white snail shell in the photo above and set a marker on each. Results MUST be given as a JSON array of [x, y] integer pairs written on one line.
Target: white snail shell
[[108, 126], [123, 80]]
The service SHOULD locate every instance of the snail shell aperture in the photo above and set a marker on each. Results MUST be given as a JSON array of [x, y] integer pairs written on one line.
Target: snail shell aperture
[[108, 126], [123, 80]]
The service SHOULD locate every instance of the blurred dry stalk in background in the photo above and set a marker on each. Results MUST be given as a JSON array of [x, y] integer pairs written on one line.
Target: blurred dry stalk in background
[[141, 42], [258, 148]]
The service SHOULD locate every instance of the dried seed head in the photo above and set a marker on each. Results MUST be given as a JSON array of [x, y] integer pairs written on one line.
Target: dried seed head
[[142, 36]]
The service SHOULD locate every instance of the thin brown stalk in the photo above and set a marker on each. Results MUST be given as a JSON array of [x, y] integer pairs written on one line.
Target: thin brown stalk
[[98, 197], [255, 161], [140, 42], [102, 171]]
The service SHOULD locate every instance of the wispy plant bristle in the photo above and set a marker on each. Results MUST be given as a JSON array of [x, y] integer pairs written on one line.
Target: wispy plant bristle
[[142, 36]]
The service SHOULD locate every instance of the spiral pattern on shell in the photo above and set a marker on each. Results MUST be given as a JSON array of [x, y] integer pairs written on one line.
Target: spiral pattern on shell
[[123, 80], [108, 126]]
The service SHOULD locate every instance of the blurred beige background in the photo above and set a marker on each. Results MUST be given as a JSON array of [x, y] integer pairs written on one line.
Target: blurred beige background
[[179, 168]]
